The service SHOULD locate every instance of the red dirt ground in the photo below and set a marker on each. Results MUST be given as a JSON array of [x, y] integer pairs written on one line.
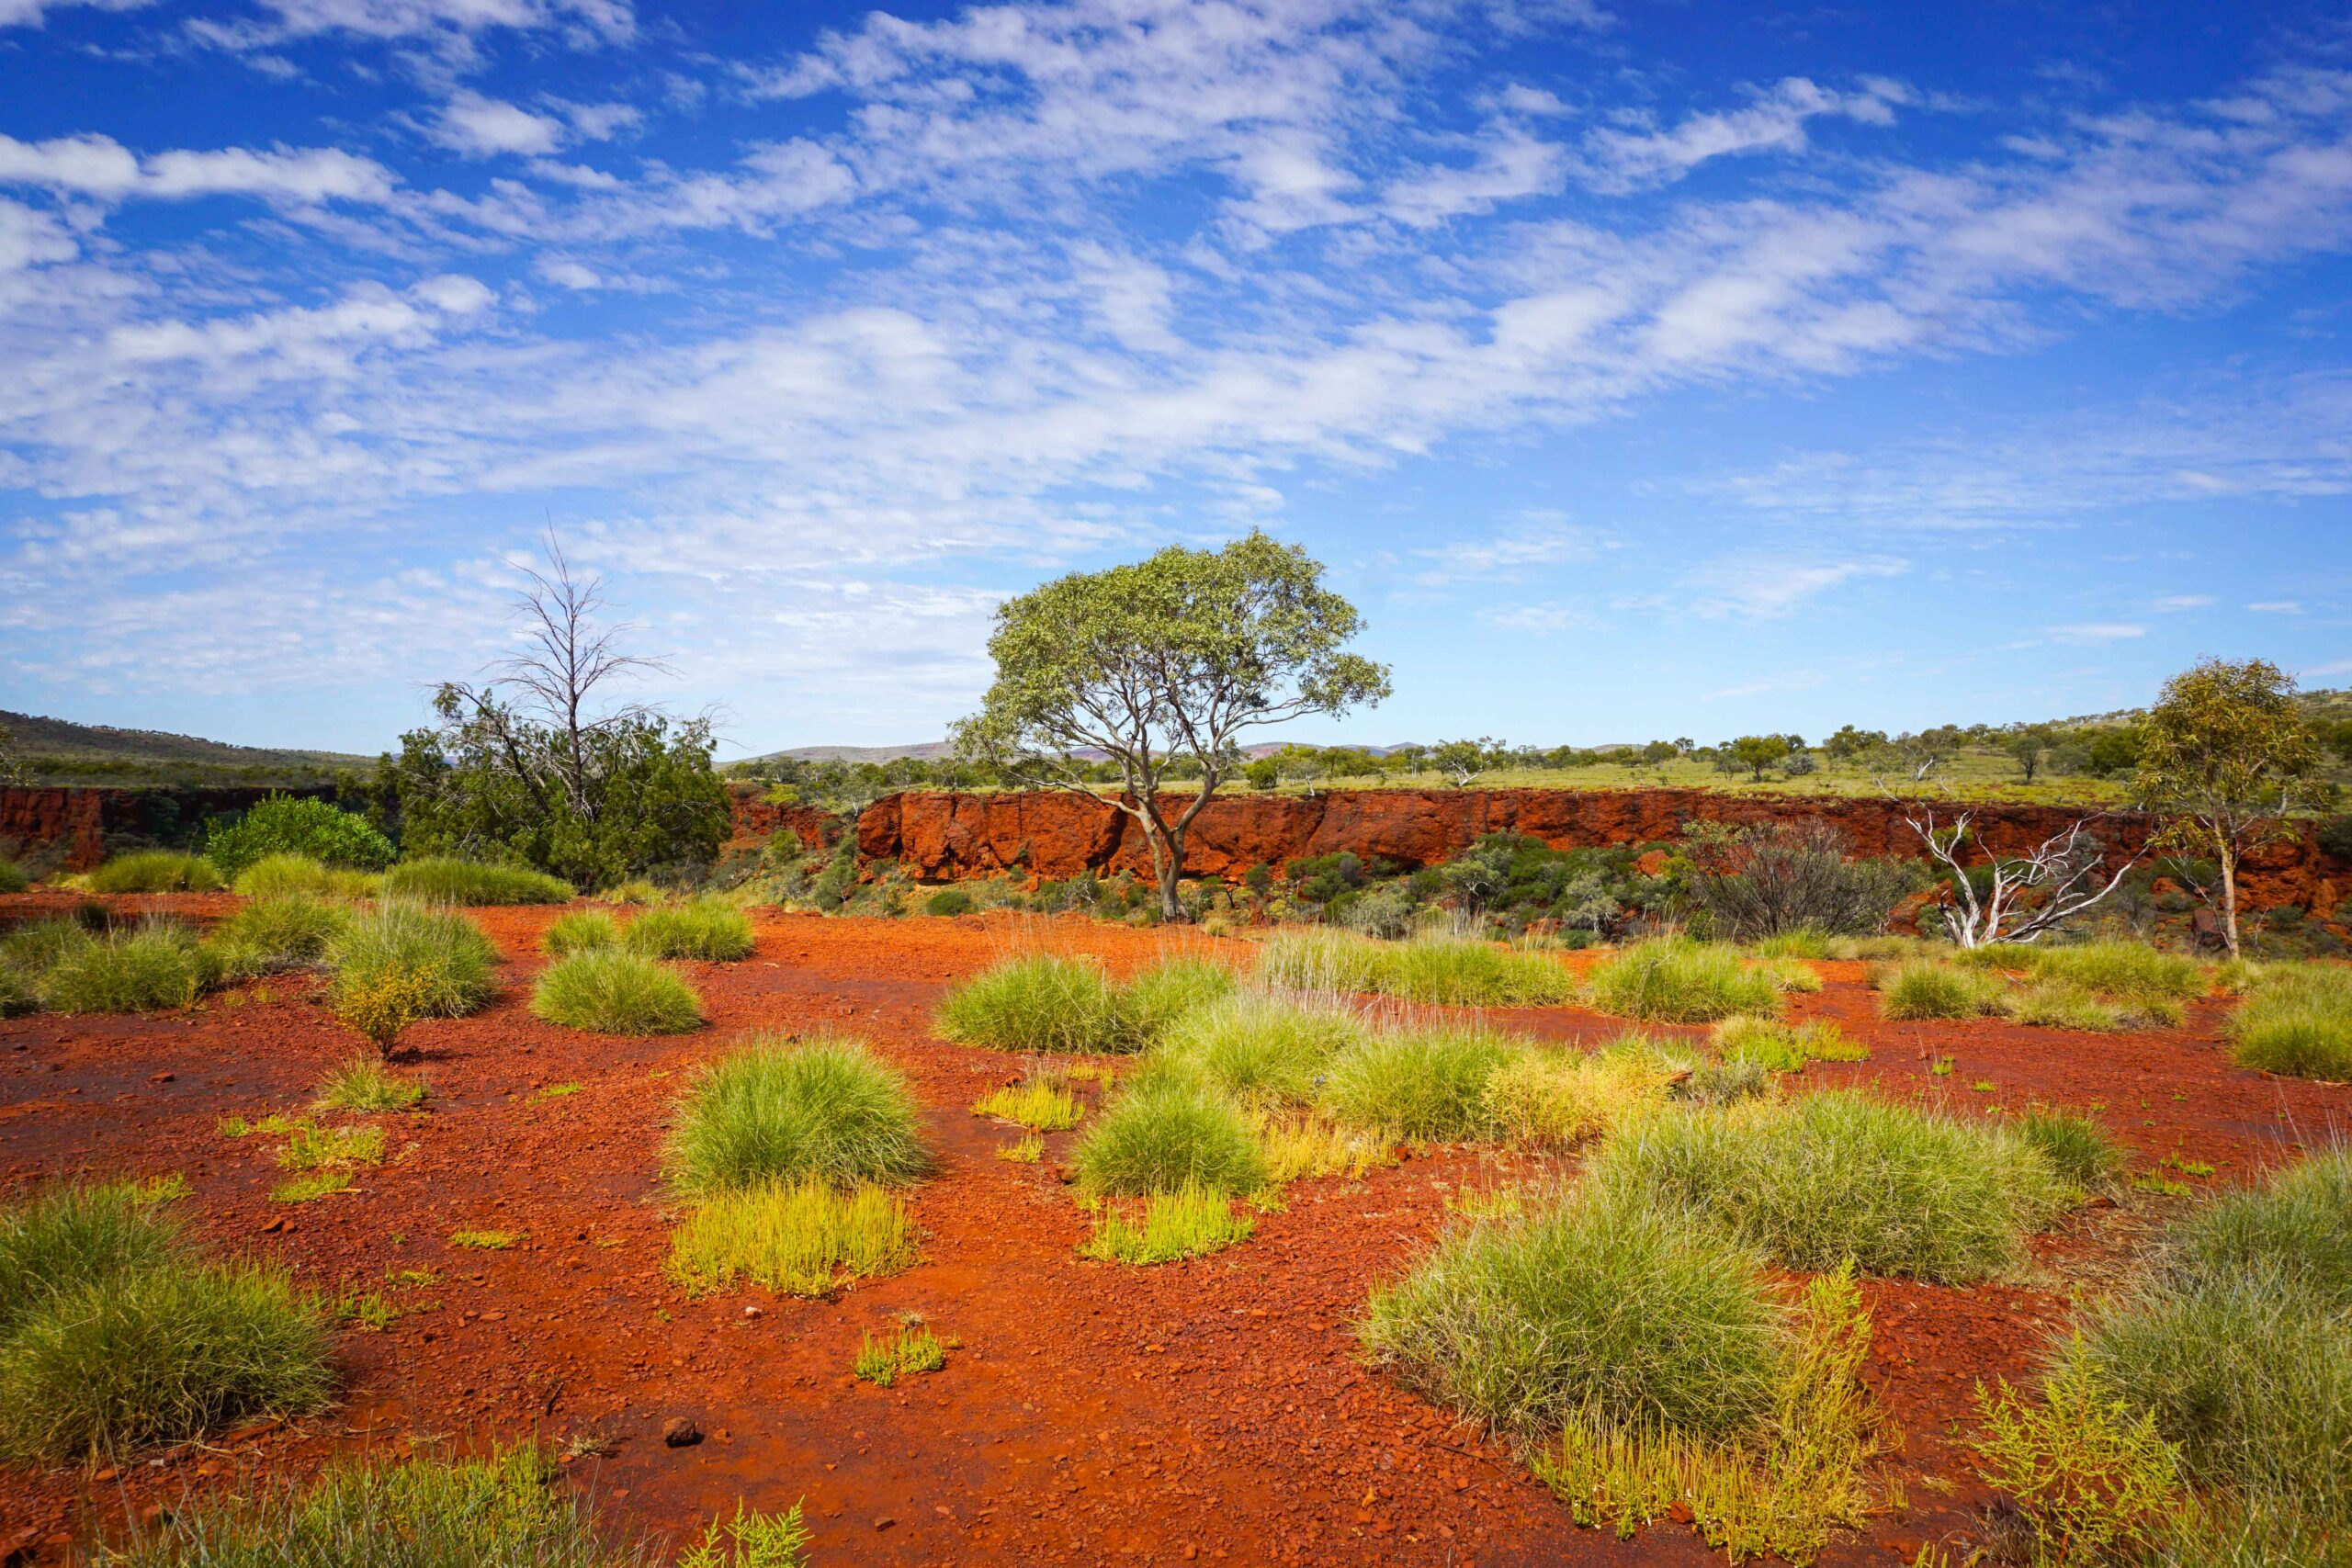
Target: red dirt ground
[[1215, 1410]]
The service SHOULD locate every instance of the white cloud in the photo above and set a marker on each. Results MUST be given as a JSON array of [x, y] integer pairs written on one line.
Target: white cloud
[[2277, 607], [1642, 155], [2090, 634], [32, 12], [1765, 585], [101, 167], [484, 127], [1540, 620], [579, 20], [2174, 601], [1546, 540], [1509, 164]]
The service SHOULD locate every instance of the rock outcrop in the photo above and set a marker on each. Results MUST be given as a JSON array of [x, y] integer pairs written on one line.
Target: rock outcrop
[[70, 828]]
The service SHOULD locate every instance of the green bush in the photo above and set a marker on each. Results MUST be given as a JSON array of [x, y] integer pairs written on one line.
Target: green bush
[[156, 871], [1039, 1003], [2296, 1020], [1676, 980], [271, 934], [287, 876], [948, 901], [154, 966], [582, 930], [452, 963], [700, 928], [612, 991], [1163, 1137], [1925, 989], [1839, 1175], [1416, 1083], [511, 1508], [12, 877], [113, 1336], [1255, 1048], [443, 880], [773, 1111], [298, 824], [1591, 1310]]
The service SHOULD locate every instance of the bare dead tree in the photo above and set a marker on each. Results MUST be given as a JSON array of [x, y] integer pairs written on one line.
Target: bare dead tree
[[2030, 895]]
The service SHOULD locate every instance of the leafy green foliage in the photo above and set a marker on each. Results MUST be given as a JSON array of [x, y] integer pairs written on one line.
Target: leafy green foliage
[[612, 991], [773, 1110], [298, 824], [2095, 1478], [1777, 877]]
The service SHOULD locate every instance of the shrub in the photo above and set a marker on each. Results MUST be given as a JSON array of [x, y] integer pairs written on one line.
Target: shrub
[[113, 1336], [442, 880], [1591, 1310], [12, 876], [363, 1084], [428, 963], [2296, 1020], [1160, 1138], [298, 824], [1924, 988], [1191, 1222], [1786, 876], [610, 991], [1675, 980], [156, 871], [795, 1237], [154, 966], [1256, 1048], [1417, 1083], [948, 901], [824, 1110], [1152, 1002], [282, 877], [1839, 1175], [579, 932], [2093, 1476], [1783, 1047], [701, 928], [1039, 1003], [1548, 1096], [272, 935], [2075, 1147]]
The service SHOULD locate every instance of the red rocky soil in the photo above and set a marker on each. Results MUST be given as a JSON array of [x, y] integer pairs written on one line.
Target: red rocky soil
[[1215, 1410]]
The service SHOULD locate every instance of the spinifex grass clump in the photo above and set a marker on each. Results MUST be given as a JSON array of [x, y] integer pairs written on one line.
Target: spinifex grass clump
[[34, 948], [114, 1335], [1256, 1048], [156, 967], [13, 878], [156, 871], [1157, 999], [396, 964], [798, 1237], [1465, 972], [1839, 1175], [709, 928], [284, 931], [913, 1350], [2296, 1020], [1191, 1222], [1562, 1097], [1162, 1137], [582, 930], [1039, 1003], [2143, 981], [512, 1508], [2075, 1147], [1783, 1047], [1420, 1083], [441, 880], [1590, 1309], [293, 875], [771, 1111], [613, 991], [1319, 959], [1676, 980], [1925, 989]]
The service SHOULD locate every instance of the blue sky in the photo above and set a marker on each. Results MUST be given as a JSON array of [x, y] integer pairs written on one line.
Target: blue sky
[[1638, 369]]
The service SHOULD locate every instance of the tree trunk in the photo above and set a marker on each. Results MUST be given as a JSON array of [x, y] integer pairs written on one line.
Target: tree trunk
[[2230, 896], [1168, 863]]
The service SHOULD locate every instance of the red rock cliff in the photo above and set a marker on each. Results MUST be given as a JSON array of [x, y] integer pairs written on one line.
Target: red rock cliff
[[71, 828], [944, 837]]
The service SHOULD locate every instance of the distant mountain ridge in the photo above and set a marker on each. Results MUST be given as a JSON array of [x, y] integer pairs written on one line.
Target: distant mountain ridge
[[58, 751]]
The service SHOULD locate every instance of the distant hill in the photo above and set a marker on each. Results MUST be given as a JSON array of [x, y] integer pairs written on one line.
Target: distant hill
[[58, 751]]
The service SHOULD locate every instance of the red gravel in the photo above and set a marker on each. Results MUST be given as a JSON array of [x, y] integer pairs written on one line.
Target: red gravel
[[1213, 1410]]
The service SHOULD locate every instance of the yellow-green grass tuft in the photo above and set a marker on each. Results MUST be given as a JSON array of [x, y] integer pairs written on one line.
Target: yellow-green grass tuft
[[578, 930], [1191, 1222], [799, 1237], [912, 1350], [1041, 1102], [612, 991], [300, 877], [1924, 988], [1544, 1097], [1418, 1083], [1043, 1003], [268, 935], [773, 1111], [1783, 1047], [2296, 1019], [156, 967], [709, 928], [1162, 1137], [1256, 1048], [450, 964], [440, 879], [1676, 980], [156, 871]]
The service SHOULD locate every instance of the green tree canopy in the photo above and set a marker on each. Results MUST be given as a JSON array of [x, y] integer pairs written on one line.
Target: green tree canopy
[[1175, 656]]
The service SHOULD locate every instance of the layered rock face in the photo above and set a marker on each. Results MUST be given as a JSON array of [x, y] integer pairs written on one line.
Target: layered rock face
[[944, 837], [70, 828]]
